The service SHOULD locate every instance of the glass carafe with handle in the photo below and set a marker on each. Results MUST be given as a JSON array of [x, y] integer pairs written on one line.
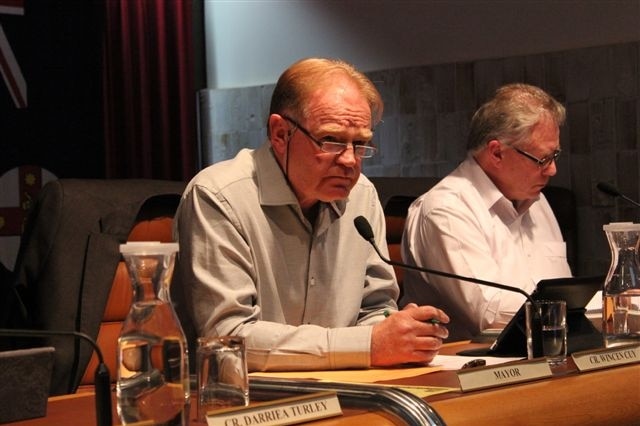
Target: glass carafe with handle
[[152, 361], [621, 291]]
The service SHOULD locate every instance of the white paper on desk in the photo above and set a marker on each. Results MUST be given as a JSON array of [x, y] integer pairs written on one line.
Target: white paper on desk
[[594, 307], [455, 362]]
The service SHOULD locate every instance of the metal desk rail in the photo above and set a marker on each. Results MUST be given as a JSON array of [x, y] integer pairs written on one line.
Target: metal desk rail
[[412, 410]]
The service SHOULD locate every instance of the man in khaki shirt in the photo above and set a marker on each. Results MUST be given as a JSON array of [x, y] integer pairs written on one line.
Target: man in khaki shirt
[[268, 248]]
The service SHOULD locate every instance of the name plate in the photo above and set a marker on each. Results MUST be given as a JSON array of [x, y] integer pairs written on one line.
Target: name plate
[[605, 358], [284, 411], [503, 374]]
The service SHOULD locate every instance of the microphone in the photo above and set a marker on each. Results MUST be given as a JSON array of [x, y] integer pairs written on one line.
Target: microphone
[[364, 229], [101, 377], [611, 190]]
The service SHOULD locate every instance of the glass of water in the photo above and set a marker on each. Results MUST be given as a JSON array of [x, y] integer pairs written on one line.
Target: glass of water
[[552, 315], [223, 380]]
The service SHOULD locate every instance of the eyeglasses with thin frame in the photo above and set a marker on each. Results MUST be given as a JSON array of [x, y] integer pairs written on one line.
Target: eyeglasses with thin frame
[[541, 162], [359, 150]]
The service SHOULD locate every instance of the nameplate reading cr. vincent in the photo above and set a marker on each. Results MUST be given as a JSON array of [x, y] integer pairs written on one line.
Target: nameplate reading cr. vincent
[[605, 358]]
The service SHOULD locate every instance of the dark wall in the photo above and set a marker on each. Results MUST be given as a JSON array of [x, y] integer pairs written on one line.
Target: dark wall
[[57, 44]]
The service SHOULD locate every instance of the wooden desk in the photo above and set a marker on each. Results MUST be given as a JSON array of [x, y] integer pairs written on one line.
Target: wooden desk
[[79, 410], [610, 396]]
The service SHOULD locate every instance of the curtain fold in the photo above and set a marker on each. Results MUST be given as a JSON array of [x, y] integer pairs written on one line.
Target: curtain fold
[[149, 95]]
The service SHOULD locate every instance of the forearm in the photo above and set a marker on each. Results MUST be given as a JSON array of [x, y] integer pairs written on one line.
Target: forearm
[[274, 346]]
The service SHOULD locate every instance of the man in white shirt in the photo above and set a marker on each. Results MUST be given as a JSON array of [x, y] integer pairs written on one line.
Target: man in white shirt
[[488, 219], [268, 247]]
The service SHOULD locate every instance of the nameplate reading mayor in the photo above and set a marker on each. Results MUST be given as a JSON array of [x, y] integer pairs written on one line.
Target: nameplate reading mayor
[[604, 358], [503, 374], [284, 411]]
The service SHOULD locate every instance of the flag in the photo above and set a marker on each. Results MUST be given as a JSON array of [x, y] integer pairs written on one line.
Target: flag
[[11, 72], [18, 190]]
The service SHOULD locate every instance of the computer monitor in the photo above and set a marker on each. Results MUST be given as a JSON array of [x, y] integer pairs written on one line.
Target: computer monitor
[[581, 333]]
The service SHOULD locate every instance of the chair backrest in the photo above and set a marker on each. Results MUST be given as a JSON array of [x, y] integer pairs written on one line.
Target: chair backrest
[[396, 195], [395, 212], [69, 256], [154, 223]]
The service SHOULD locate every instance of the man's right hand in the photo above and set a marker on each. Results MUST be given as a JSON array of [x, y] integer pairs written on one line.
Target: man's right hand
[[408, 336]]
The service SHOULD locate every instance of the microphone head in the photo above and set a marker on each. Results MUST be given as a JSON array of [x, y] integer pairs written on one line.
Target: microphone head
[[364, 228], [608, 189]]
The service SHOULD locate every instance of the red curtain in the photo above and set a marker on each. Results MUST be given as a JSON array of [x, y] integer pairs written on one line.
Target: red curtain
[[149, 96]]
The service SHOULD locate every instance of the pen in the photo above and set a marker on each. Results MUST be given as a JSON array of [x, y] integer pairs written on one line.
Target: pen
[[430, 320]]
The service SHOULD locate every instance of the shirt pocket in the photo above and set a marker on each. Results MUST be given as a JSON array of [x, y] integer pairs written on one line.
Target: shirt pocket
[[555, 253], [554, 249]]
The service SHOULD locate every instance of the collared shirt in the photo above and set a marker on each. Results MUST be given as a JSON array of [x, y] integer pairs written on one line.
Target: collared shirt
[[464, 225], [303, 295]]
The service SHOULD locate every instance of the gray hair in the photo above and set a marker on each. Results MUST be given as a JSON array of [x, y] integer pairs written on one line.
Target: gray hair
[[510, 115]]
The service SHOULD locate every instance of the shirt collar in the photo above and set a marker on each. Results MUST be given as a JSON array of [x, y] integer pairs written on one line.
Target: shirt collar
[[273, 187], [491, 195]]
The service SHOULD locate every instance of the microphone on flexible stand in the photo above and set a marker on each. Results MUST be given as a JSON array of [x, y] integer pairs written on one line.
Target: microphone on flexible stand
[[364, 229], [101, 377], [611, 190]]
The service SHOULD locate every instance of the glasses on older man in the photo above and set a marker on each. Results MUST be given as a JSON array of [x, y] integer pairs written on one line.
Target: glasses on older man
[[331, 147], [541, 162]]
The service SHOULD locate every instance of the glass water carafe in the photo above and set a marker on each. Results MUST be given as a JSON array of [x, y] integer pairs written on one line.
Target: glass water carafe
[[152, 361], [621, 291]]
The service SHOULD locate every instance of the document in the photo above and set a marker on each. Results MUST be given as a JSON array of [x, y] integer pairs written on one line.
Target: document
[[455, 362], [371, 375], [375, 375]]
